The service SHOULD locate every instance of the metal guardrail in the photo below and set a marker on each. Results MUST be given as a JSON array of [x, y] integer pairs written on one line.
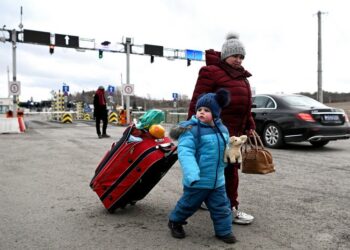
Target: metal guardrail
[[170, 116]]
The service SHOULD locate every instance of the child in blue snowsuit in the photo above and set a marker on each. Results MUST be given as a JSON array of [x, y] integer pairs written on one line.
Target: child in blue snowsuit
[[201, 144]]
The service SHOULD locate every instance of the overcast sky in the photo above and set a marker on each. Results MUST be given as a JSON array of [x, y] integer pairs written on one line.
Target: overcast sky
[[280, 38]]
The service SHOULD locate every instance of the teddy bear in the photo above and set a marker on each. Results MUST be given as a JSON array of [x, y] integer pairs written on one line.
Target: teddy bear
[[233, 150]]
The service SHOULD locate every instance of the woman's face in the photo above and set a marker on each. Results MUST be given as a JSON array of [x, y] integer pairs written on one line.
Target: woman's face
[[235, 60]]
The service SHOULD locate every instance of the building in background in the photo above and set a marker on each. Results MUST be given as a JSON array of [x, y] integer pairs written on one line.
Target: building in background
[[5, 105]]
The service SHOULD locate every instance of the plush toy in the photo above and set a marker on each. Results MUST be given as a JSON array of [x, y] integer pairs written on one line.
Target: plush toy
[[233, 150]]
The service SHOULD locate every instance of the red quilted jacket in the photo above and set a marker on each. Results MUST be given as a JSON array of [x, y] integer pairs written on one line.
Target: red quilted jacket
[[218, 74]]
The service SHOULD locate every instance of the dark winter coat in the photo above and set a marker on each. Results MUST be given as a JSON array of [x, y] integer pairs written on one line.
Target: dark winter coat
[[218, 74], [100, 108]]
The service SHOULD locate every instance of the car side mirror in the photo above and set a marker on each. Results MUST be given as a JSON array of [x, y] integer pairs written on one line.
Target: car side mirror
[[253, 106]]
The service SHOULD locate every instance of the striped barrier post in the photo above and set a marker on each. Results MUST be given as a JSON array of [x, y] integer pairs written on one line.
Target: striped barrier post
[[67, 118], [122, 118], [80, 114], [21, 124], [113, 117], [87, 117]]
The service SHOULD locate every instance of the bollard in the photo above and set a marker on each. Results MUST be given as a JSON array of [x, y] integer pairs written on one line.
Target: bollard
[[122, 118], [21, 124], [67, 118], [113, 117], [87, 117]]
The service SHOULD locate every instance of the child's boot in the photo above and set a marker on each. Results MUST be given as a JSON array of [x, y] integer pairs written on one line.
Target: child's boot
[[228, 238], [177, 230]]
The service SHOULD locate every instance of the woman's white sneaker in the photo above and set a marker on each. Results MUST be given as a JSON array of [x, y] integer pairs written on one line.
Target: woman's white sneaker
[[241, 218]]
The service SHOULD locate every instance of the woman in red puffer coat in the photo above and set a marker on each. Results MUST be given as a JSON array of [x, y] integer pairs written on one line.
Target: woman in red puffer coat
[[224, 70]]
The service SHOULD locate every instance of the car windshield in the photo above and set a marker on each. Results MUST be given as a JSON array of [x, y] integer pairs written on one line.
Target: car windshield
[[305, 101]]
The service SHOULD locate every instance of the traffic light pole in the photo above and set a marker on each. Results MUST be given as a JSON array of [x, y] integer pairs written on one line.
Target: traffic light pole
[[14, 70], [319, 60], [128, 45]]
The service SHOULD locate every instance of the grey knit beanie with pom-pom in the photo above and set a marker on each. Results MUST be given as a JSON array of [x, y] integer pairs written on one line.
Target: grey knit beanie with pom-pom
[[232, 46]]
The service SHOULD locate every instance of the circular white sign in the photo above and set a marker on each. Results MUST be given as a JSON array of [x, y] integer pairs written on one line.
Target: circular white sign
[[15, 88], [128, 89]]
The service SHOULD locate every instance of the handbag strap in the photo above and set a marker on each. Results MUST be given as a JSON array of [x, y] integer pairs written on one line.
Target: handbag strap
[[254, 142], [249, 145], [257, 137]]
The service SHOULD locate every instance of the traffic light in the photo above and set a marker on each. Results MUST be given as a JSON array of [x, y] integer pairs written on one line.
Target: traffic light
[[106, 43], [52, 47], [100, 53]]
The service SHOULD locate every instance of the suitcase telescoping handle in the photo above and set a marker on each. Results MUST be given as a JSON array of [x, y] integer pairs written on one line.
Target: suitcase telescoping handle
[[167, 148]]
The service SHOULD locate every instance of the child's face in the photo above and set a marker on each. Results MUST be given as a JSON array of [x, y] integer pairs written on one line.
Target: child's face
[[204, 115]]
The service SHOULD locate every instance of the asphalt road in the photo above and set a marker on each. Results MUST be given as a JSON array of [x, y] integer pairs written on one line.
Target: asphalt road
[[46, 201]]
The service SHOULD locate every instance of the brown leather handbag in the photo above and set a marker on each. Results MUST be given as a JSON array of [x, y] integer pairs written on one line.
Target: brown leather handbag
[[256, 159]]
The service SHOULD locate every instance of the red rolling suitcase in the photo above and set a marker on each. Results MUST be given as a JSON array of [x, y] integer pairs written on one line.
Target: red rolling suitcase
[[131, 168]]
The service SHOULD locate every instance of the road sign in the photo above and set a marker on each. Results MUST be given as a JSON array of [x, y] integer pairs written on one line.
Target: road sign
[[66, 41], [65, 88], [153, 50], [111, 89], [128, 89], [39, 37], [15, 88], [175, 96], [194, 54], [87, 108]]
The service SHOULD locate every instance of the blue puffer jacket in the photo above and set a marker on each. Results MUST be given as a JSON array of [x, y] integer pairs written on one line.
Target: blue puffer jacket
[[201, 154]]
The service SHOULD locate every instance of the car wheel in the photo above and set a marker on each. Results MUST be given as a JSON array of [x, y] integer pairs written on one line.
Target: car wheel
[[272, 136], [318, 144]]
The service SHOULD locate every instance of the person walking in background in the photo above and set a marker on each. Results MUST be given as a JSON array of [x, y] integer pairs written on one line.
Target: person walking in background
[[100, 112], [225, 70], [201, 145]]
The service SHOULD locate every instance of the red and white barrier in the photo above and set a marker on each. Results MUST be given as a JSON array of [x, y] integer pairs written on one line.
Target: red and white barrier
[[12, 125]]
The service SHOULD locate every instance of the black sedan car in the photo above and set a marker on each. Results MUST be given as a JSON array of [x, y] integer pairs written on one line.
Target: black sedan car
[[282, 118]]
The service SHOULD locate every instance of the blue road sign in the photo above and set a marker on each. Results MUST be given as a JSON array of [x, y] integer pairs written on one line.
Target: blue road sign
[[194, 54], [111, 89], [175, 96], [87, 108], [65, 88]]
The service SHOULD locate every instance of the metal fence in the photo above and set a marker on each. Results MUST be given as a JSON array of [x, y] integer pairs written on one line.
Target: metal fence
[[171, 117]]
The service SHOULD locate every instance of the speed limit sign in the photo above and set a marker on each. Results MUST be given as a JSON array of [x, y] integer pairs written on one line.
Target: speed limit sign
[[128, 89], [15, 88]]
